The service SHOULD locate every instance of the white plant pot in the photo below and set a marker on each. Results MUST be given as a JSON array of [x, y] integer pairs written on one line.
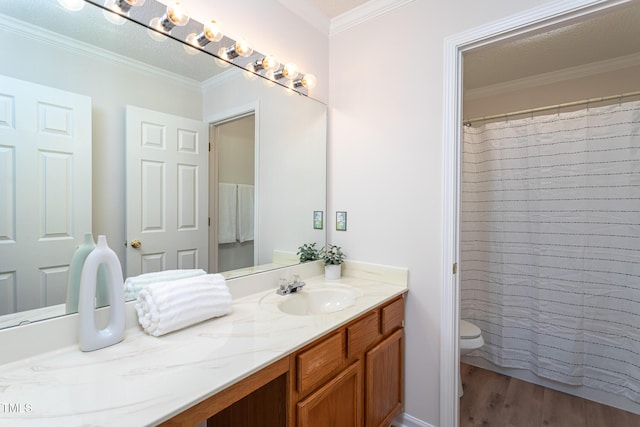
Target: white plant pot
[[332, 272]]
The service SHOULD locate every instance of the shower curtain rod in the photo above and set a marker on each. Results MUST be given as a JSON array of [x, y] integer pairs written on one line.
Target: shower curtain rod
[[550, 107]]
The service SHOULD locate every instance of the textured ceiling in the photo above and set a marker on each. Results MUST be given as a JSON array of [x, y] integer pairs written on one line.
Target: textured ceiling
[[128, 40], [603, 37]]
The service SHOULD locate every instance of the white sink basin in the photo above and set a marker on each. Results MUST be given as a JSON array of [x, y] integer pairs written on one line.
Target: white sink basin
[[320, 298]]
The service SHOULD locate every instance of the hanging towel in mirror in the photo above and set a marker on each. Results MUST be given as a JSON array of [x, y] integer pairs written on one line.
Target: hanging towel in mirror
[[245, 212], [227, 212]]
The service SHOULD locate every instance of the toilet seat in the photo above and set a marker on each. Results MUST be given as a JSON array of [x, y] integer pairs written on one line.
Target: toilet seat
[[469, 330]]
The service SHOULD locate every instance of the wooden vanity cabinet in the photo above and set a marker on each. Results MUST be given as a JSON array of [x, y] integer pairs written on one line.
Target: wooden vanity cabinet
[[352, 377], [355, 376], [383, 380]]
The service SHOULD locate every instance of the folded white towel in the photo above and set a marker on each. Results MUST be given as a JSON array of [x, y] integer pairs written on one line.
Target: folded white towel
[[165, 307], [133, 285]]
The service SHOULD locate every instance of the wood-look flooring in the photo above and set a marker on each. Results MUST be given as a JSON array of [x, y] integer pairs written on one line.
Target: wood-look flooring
[[492, 399]]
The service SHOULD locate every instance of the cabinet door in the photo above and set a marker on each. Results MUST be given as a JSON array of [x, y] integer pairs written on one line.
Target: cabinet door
[[384, 380], [337, 404]]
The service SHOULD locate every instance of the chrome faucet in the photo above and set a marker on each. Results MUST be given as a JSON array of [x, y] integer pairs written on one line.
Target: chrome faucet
[[287, 288]]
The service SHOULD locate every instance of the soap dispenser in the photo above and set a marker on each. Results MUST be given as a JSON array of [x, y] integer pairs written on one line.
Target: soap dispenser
[[92, 338]]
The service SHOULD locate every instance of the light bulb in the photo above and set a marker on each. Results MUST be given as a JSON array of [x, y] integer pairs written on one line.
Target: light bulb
[[243, 48], [309, 81], [113, 12], [267, 63], [210, 33], [240, 48], [155, 31], [176, 14], [73, 5], [270, 62], [222, 53], [125, 5], [290, 71], [213, 32]]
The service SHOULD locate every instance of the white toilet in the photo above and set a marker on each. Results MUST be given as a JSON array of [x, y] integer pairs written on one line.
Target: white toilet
[[470, 339]]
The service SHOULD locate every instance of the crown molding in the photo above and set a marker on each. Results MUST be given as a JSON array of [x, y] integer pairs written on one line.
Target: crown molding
[[223, 78], [89, 51], [363, 13], [571, 73]]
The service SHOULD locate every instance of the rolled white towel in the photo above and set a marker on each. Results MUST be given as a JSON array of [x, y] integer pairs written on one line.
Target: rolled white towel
[[133, 285], [165, 307]]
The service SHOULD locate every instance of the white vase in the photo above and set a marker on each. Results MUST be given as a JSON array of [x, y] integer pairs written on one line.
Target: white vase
[[75, 270], [332, 271], [92, 338]]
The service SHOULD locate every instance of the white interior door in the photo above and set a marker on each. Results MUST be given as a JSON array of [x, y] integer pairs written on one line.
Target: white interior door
[[167, 193], [45, 190]]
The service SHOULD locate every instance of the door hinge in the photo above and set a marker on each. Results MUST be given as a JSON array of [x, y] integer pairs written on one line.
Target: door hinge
[[455, 268], [209, 146], [209, 224]]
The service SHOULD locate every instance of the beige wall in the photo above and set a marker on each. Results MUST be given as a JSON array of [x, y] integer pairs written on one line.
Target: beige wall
[[384, 82], [385, 161]]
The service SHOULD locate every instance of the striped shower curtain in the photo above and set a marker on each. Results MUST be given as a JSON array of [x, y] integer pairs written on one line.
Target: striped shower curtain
[[550, 245]]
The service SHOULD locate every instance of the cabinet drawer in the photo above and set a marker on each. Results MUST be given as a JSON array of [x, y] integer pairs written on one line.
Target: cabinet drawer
[[362, 334], [392, 316], [321, 361]]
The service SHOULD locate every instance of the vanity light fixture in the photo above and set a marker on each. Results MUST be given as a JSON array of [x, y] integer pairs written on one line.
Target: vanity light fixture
[[289, 71], [73, 5], [240, 48], [125, 5], [308, 81], [176, 15], [116, 8], [267, 63], [211, 32]]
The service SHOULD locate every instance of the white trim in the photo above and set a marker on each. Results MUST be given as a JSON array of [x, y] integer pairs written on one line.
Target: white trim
[[363, 13], [535, 19], [406, 420], [222, 78], [571, 73]]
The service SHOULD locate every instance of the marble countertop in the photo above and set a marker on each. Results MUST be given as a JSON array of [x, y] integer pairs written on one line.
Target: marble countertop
[[145, 380]]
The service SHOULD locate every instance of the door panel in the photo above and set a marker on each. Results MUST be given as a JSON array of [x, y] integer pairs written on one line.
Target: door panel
[[43, 214], [167, 191]]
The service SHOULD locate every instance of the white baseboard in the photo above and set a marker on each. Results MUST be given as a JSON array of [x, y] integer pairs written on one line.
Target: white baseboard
[[405, 420]]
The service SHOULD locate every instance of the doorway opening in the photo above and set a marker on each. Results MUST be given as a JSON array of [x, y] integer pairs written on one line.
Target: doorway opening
[[232, 179], [535, 21]]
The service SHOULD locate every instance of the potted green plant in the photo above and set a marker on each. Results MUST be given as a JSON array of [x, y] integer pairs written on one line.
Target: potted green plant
[[333, 258], [308, 252]]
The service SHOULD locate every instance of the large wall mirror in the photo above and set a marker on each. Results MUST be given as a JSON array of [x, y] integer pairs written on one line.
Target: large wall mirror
[[88, 106]]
